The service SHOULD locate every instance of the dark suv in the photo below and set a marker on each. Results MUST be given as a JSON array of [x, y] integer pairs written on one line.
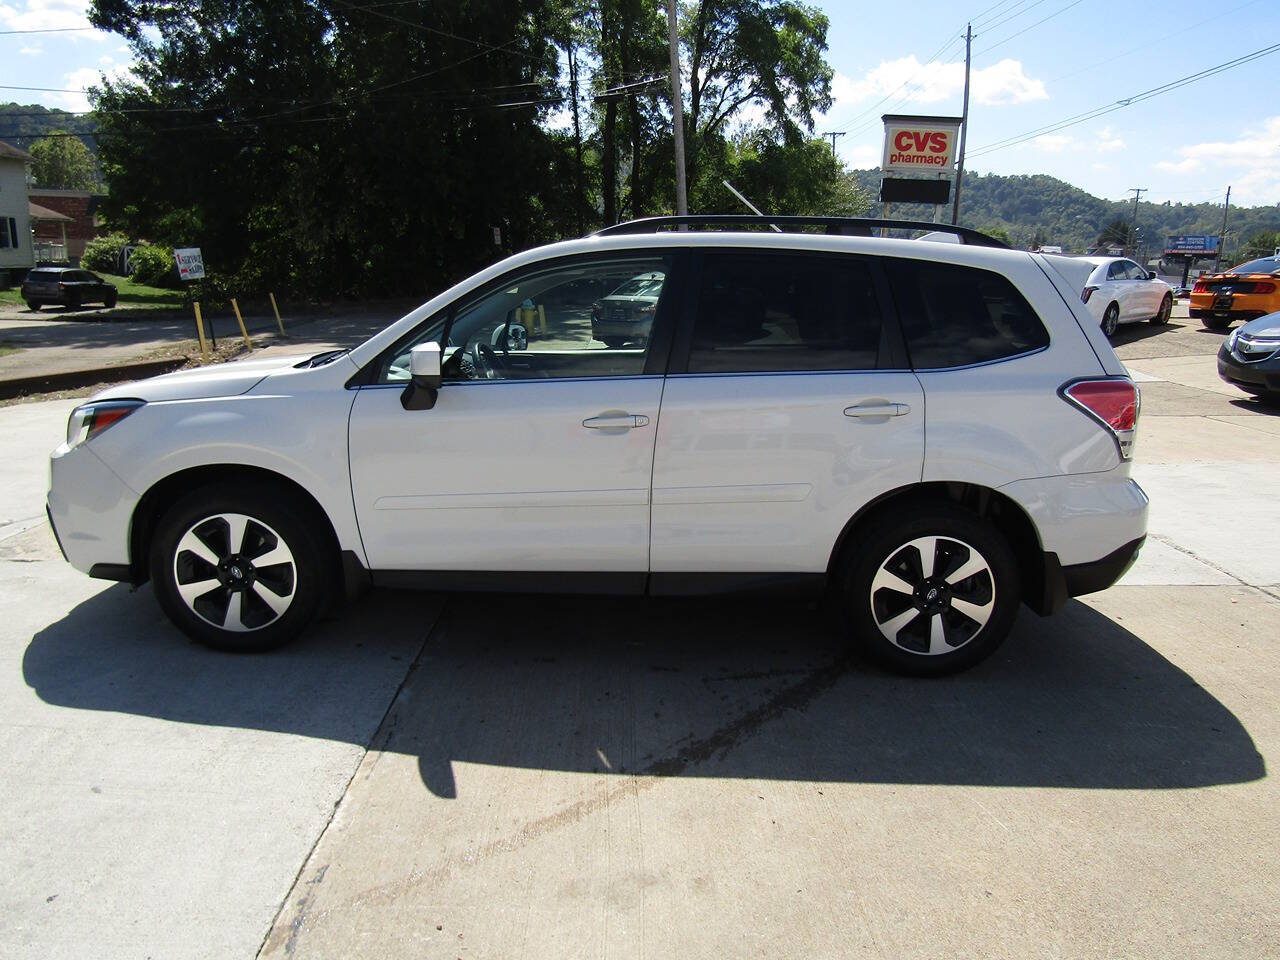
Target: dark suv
[[67, 286]]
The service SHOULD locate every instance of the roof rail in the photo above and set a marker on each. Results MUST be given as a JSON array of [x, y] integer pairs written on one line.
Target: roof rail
[[839, 226]]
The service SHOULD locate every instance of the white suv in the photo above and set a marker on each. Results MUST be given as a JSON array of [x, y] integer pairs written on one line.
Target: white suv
[[931, 432]]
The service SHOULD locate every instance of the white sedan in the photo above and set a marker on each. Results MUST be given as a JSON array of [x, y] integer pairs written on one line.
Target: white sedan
[[1116, 290]]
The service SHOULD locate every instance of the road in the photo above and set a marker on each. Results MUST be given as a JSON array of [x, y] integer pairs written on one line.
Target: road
[[457, 776]]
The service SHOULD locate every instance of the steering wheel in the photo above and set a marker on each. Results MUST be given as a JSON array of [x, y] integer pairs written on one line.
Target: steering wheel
[[484, 359]]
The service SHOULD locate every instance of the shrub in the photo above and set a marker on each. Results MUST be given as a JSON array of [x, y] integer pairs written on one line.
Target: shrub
[[154, 266], [103, 253]]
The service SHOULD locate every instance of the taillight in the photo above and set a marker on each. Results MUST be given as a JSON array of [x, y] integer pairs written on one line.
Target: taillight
[[1200, 287], [1263, 286], [1086, 294], [1113, 402]]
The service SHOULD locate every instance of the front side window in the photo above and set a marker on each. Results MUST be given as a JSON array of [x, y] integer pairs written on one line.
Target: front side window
[[772, 312], [1116, 271], [954, 316], [579, 319]]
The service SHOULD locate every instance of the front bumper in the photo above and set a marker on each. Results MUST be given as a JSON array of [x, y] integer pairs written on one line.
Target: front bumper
[[1262, 377], [90, 509]]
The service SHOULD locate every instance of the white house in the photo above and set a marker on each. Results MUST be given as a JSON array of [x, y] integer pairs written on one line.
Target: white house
[[16, 255]]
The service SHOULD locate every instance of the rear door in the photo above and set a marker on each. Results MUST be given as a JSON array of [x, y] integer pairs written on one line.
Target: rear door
[[789, 406]]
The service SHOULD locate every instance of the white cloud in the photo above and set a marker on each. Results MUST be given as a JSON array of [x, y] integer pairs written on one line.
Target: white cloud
[[80, 80], [907, 79], [862, 156], [1251, 162], [1053, 142], [31, 51], [1108, 142], [43, 14]]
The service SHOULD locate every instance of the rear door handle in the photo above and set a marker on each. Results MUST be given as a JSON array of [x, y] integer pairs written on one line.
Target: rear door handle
[[877, 408], [621, 421]]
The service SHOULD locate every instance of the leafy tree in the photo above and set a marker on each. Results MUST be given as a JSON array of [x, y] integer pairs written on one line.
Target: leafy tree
[[1118, 231], [998, 233], [1262, 244], [62, 161], [769, 53]]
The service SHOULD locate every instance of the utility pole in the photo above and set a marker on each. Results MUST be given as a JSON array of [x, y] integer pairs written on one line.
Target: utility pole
[[833, 134], [1222, 237], [1133, 227], [964, 124], [677, 110]]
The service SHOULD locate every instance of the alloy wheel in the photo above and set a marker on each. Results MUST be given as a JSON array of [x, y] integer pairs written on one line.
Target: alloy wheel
[[932, 595], [234, 572]]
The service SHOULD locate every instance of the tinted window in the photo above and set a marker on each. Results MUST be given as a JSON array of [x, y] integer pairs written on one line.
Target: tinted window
[[1265, 265], [552, 322], [767, 312], [44, 276], [1116, 271], [953, 316]]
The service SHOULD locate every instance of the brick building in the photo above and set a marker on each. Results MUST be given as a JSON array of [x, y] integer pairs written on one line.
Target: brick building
[[81, 209]]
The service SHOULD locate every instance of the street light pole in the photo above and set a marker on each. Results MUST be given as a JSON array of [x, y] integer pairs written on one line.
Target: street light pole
[[677, 110], [1133, 227]]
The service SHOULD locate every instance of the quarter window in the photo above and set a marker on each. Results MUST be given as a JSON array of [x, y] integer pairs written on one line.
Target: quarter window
[[953, 316], [780, 312], [584, 319]]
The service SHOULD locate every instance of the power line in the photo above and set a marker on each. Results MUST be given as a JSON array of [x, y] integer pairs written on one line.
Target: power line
[[1012, 36], [8, 33], [1012, 16], [1127, 102]]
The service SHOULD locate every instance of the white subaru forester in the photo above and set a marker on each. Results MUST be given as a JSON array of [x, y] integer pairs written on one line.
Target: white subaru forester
[[933, 433]]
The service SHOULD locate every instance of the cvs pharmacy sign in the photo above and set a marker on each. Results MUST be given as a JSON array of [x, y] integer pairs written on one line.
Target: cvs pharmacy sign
[[925, 144]]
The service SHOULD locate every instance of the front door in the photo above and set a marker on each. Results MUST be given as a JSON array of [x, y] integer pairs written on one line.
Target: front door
[[794, 409], [538, 453]]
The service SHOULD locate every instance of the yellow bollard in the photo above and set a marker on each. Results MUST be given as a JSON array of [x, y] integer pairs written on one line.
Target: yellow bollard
[[279, 322], [542, 318], [240, 320], [204, 346]]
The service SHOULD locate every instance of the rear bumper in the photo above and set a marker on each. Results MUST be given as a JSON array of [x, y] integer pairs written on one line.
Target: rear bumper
[[631, 329], [1201, 313]]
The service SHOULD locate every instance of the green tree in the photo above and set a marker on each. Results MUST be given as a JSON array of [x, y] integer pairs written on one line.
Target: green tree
[[1262, 244], [768, 53], [1117, 231], [998, 232], [62, 161]]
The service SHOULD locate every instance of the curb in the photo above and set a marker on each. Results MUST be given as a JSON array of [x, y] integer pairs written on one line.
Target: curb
[[72, 379]]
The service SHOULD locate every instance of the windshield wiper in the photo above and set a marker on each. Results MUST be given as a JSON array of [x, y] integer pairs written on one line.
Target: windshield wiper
[[320, 359]]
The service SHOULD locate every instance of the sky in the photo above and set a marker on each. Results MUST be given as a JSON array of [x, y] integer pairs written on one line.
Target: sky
[[1036, 63]]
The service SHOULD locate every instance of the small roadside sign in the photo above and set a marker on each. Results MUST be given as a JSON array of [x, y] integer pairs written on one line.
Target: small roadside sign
[[190, 263]]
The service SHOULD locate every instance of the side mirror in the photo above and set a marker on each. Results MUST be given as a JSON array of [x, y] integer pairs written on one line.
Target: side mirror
[[1151, 274], [424, 378]]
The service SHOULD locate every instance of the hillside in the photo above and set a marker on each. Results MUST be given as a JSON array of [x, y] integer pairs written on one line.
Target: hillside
[[22, 124], [1025, 205]]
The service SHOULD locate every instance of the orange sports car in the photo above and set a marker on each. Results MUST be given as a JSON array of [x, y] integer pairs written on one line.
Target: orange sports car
[[1241, 293]]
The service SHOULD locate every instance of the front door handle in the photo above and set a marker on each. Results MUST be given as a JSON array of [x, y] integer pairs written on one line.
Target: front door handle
[[620, 421], [877, 408]]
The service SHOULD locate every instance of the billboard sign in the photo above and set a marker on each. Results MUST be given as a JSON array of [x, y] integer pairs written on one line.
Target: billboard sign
[[920, 144], [190, 263], [1203, 246]]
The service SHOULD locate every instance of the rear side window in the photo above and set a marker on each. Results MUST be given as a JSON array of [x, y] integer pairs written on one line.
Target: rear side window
[[43, 276], [954, 316], [760, 313]]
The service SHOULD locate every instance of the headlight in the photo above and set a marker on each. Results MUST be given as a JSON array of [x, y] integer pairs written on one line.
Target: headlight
[[1231, 340], [91, 419]]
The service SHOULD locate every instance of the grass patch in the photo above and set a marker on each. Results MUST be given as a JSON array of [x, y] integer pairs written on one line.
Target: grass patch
[[6, 349], [133, 296]]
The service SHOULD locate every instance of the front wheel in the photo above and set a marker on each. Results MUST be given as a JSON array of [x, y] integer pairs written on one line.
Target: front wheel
[[110, 300], [1110, 321], [933, 593], [239, 570], [1166, 308]]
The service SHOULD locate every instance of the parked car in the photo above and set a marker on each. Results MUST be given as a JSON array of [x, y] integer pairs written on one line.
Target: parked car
[[1250, 357], [1245, 292], [770, 435], [1116, 290], [626, 314], [67, 286]]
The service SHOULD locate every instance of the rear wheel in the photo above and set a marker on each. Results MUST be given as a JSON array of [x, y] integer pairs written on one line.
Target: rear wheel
[[1216, 323], [240, 570], [1166, 308], [614, 342], [1111, 320], [932, 592], [110, 299]]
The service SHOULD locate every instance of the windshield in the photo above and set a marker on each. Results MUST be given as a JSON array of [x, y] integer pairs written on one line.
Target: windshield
[[1265, 265]]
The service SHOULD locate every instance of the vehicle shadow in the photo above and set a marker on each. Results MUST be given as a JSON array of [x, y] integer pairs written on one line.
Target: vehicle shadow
[[1139, 331], [1267, 406], [706, 688]]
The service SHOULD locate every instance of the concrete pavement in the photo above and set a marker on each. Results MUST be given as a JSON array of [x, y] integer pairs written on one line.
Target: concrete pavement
[[553, 777]]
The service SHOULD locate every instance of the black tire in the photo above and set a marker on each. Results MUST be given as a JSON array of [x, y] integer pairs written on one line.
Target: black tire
[[297, 588], [34, 304], [1216, 323], [1111, 320], [888, 545], [1166, 308], [110, 299], [614, 342]]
